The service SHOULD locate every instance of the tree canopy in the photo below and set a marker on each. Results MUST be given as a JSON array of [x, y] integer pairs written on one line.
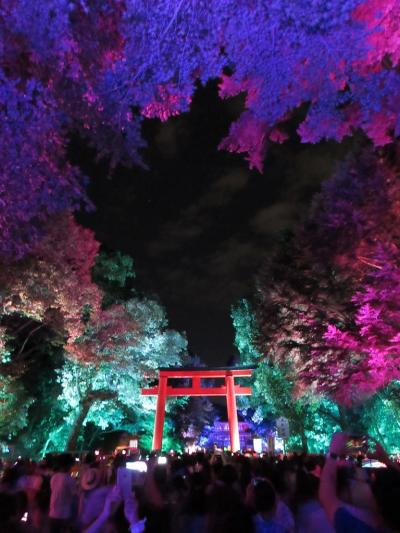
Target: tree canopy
[[327, 306], [98, 67], [328, 302], [69, 318]]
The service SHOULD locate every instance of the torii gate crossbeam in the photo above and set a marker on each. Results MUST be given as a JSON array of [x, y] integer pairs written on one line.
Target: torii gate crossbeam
[[197, 388]]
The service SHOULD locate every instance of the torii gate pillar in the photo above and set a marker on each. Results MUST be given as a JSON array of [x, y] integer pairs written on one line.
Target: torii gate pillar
[[232, 413], [160, 413], [229, 390]]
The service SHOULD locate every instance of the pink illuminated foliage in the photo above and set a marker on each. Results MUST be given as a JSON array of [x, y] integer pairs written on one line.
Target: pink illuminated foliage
[[381, 18], [98, 67], [332, 308], [106, 332], [359, 213], [53, 284], [296, 300], [167, 104], [247, 135]]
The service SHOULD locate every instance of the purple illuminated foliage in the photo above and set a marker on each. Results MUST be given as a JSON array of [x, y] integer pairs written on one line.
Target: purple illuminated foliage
[[358, 213], [329, 303], [98, 66], [36, 180]]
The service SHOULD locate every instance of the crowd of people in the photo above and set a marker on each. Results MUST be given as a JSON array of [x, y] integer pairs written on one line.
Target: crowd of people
[[203, 493]]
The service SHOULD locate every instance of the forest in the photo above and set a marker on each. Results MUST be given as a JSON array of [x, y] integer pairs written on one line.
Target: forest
[[77, 339]]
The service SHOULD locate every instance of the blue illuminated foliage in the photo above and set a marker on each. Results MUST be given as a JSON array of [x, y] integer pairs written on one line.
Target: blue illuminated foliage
[[98, 67]]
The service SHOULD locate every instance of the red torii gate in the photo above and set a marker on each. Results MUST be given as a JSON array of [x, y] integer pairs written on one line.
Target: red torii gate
[[196, 374]]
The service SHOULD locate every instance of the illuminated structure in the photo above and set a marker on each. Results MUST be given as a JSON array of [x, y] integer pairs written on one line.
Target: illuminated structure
[[197, 388], [219, 434]]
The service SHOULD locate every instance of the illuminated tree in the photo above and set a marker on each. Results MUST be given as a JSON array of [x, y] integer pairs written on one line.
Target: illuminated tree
[[119, 351], [44, 298], [108, 352], [328, 301], [296, 300], [49, 303], [14, 406], [112, 273], [381, 416], [36, 180], [31, 354], [358, 212], [53, 284], [312, 419], [97, 67]]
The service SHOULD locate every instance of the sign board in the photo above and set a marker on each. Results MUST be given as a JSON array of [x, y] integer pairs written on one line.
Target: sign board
[[133, 443], [282, 427]]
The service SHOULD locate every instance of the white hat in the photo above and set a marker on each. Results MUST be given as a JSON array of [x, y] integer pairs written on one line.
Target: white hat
[[90, 478]]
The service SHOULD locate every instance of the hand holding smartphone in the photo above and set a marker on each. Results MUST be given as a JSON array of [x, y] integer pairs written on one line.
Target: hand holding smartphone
[[357, 444]]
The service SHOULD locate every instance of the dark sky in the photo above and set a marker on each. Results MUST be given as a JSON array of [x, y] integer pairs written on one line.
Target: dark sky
[[198, 223]]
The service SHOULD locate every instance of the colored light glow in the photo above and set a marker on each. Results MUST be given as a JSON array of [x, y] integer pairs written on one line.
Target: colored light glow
[[138, 466], [351, 87], [257, 445]]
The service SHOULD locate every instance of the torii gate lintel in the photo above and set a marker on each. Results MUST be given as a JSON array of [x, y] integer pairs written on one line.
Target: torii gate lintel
[[229, 390]]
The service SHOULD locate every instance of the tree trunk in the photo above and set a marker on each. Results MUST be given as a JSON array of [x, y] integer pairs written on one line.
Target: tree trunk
[[77, 425], [304, 441], [352, 419]]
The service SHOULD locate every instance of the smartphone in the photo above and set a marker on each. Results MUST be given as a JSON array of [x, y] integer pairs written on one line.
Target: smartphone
[[357, 444], [162, 460], [137, 466], [373, 463]]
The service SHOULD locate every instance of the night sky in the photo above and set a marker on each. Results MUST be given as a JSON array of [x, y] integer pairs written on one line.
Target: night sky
[[198, 222]]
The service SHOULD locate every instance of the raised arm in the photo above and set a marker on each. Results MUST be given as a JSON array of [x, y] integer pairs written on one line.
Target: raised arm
[[381, 455], [327, 487], [113, 500]]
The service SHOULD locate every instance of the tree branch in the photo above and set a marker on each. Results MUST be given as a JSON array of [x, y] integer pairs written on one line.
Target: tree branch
[[28, 337]]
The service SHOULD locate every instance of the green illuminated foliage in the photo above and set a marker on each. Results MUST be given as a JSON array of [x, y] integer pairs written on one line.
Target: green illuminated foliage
[[171, 440], [94, 347], [381, 415], [112, 272], [312, 419], [14, 406], [119, 352]]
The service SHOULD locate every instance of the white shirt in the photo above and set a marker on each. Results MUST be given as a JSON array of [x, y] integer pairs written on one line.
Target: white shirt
[[63, 489]]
